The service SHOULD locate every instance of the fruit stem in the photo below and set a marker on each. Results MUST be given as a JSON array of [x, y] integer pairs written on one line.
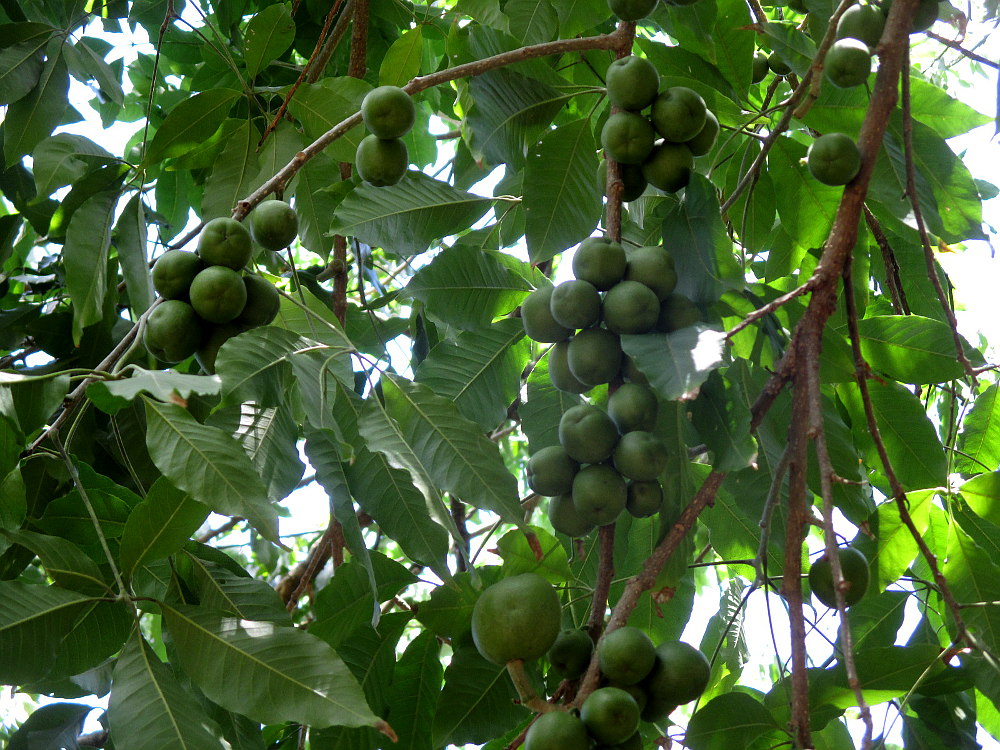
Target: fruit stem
[[525, 690]]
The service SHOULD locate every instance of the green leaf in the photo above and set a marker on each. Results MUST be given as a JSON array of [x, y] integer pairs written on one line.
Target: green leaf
[[323, 105], [315, 204], [519, 556], [234, 174], [912, 349], [676, 363], [791, 44], [30, 402], [159, 525], [53, 725], [723, 422], [576, 16], [407, 217], [64, 562], [402, 60], [150, 710], [734, 48], [22, 47], [806, 206], [561, 199], [269, 33], [254, 366], [286, 674], [208, 464], [979, 440], [896, 546], [220, 589], [735, 719], [69, 517], [876, 620], [190, 123], [416, 687], [130, 238], [13, 505], [33, 117], [936, 108], [98, 633], [86, 63], [85, 255], [531, 21], [112, 396], [487, 12]]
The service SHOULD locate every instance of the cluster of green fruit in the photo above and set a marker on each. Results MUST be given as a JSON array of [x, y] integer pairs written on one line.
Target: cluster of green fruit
[[382, 158], [853, 568], [614, 292], [606, 462], [678, 115], [206, 298]]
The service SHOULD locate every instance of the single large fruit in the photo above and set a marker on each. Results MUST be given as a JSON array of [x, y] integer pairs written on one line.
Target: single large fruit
[[848, 63], [627, 137], [274, 224], [570, 654], [704, 142], [587, 433], [575, 304], [679, 114], [173, 273], [382, 162], [594, 356], [777, 65], [760, 67], [626, 655], [566, 519], [633, 407], [640, 455], [225, 242], [262, 305], [551, 471], [173, 331], [599, 494], [653, 266], [668, 166], [923, 19], [560, 374], [632, 82], [388, 112], [633, 183], [863, 22], [644, 499], [516, 618], [536, 316], [677, 312], [631, 10], [833, 159], [557, 730], [218, 335], [630, 307], [599, 261], [218, 294], [853, 565], [611, 715], [680, 674]]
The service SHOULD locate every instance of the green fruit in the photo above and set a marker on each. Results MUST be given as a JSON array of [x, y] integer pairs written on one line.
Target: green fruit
[[653, 266], [848, 63], [632, 373], [668, 166], [536, 316], [516, 618], [173, 273], [679, 114], [626, 655], [631, 10], [630, 307], [633, 183], [923, 19], [644, 499], [778, 66], [382, 162], [566, 519], [599, 261], [760, 67], [632, 82], [611, 715], [599, 494], [575, 304], [388, 112], [218, 335], [863, 22], [633, 407], [853, 566], [833, 159], [570, 654], [225, 242], [173, 331], [218, 294], [640, 455], [587, 433], [704, 142], [677, 312], [274, 224], [627, 137], [262, 305], [560, 374], [635, 741], [680, 674], [595, 356], [551, 471], [557, 730]]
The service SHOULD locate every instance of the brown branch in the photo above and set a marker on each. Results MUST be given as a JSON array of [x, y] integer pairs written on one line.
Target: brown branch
[[615, 188], [331, 43], [894, 282], [331, 544], [769, 308], [219, 530], [816, 69], [965, 51], [602, 587]]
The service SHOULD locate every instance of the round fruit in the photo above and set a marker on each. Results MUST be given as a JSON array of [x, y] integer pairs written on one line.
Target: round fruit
[[778, 66], [516, 618], [599, 494], [218, 294], [833, 159], [627, 137], [173, 273], [702, 143], [560, 374], [557, 729], [611, 715], [173, 331], [551, 471], [599, 261], [923, 19], [225, 242], [536, 316], [388, 112], [630, 307], [653, 266], [274, 224], [595, 356], [633, 407], [679, 114], [853, 566], [848, 63], [626, 655], [587, 434], [382, 162], [570, 654], [640, 455], [575, 304], [632, 82], [863, 22], [677, 312], [631, 10], [566, 519], [668, 166], [680, 674], [644, 499], [263, 302], [208, 352], [632, 373], [633, 183], [760, 67]]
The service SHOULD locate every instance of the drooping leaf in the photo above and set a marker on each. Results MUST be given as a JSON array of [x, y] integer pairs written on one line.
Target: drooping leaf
[[53, 725], [269, 33], [88, 239], [112, 396], [159, 525], [723, 422], [21, 58], [402, 59], [531, 21], [220, 589], [33, 117], [67, 564], [734, 718], [520, 556], [234, 174], [541, 413], [30, 402], [806, 206], [912, 349], [130, 241], [415, 692], [979, 440], [189, 123]]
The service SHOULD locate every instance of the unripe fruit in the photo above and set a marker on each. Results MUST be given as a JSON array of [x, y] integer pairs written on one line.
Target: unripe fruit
[[848, 63], [833, 159], [557, 730], [225, 242], [262, 305], [644, 499], [853, 566], [587, 433], [536, 316], [208, 352], [382, 162], [680, 674], [633, 182], [595, 356], [760, 67], [630, 307], [566, 519], [632, 373], [633, 407], [173, 331], [668, 166], [611, 715], [599, 261], [551, 471], [640, 455], [570, 654], [679, 114], [516, 618], [274, 224], [704, 142], [925, 16], [173, 273], [575, 304], [632, 82], [862, 22], [626, 655], [560, 374], [677, 312], [627, 137], [631, 10], [653, 266], [218, 294], [777, 65], [599, 494], [388, 112]]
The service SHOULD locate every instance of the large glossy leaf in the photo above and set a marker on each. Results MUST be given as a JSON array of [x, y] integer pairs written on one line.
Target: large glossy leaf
[[402, 59], [268, 35], [254, 365], [53, 725], [189, 123], [979, 440], [896, 546], [285, 674], [35, 116], [676, 363], [315, 203], [21, 58], [321, 106], [912, 349], [130, 241], [723, 422], [234, 173], [64, 158], [416, 688], [88, 239], [737, 717], [579, 15], [806, 206], [31, 401], [67, 564], [221, 589], [159, 525], [99, 632]]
